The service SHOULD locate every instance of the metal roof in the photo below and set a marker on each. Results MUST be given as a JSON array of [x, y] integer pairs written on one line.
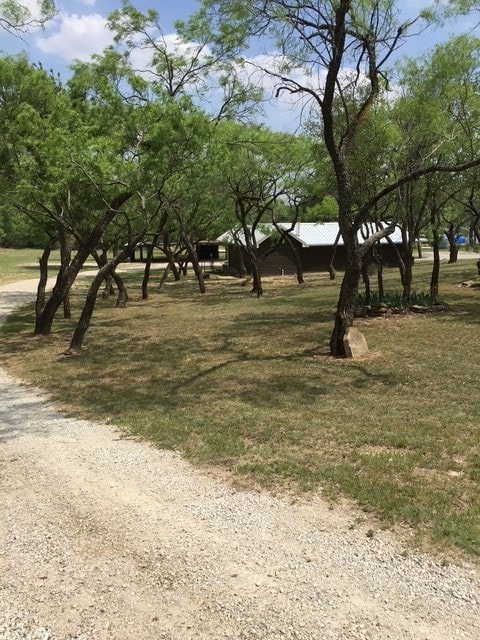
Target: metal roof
[[237, 235], [312, 234]]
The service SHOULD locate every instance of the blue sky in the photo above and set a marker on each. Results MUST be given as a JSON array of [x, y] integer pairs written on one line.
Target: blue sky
[[79, 30]]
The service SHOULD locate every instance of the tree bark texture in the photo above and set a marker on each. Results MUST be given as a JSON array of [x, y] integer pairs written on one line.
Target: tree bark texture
[[67, 242], [122, 296], [42, 281], [345, 311], [435, 276], [195, 263], [65, 279], [148, 266], [83, 323]]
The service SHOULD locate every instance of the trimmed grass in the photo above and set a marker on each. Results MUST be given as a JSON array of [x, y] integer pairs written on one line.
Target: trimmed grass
[[22, 264], [18, 264], [247, 386]]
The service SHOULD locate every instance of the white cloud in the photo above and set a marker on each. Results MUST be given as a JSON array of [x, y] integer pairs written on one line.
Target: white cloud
[[32, 6], [285, 111], [76, 37], [141, 57], [32, 15]]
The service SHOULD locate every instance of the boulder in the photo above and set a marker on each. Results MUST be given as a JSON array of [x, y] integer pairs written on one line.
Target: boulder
[[354, 343], [419, 308]]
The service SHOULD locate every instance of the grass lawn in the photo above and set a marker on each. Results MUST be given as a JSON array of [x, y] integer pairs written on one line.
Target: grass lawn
[[247, 386], [18, 264]]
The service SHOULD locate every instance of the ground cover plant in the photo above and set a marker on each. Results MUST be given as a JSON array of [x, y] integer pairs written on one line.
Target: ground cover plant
[[246, 385]]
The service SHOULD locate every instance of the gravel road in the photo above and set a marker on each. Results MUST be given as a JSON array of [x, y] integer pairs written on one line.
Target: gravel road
[[103, 538]]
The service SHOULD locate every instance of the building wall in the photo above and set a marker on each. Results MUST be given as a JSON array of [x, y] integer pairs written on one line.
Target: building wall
[[280, 262], [313, 259]]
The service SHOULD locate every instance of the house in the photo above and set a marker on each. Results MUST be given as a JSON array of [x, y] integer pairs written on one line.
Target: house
[[313, 243]]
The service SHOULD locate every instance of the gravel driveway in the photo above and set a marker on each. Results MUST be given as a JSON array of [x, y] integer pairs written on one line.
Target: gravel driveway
[[106, 538]]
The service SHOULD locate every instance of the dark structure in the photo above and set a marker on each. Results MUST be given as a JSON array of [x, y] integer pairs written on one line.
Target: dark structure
[[314, 244], [206, 252]]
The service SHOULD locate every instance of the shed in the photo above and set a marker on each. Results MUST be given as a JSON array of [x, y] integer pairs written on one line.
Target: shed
[[313, 241]]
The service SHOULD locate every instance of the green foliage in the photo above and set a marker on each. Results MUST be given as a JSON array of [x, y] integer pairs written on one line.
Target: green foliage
[[324, 211], [16, 17], [18, 231], [396, 300], [453, 8]]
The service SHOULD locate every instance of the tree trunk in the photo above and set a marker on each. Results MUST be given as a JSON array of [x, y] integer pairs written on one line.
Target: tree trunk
[[345, 312], [381, 288], [43, 278], [252, 251], [195, 264], [43, 324], [76, 342], [331, 267], [453, 255], [109, 289], [366, 283], [164, 277], [241, 262], [83, 323], [407, 277], [171, 259], [298, 261], [101, 259], [148, 266], [257, 288], [451, 237], [66, 247], [406, 264], [435, 277], [122, 296]]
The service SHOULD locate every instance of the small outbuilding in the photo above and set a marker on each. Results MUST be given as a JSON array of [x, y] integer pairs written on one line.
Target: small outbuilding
[[313, 242]]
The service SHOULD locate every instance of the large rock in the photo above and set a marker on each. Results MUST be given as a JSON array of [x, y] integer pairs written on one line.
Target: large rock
[[354, 343]]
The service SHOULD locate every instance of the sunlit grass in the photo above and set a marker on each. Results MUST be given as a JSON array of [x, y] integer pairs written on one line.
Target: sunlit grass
[[18, 264], [247, 386]]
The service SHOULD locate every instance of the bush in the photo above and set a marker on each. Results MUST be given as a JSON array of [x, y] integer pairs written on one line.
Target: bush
[[395, 299]]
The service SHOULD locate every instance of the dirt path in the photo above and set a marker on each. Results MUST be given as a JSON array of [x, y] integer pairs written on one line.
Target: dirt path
[[106, 538]]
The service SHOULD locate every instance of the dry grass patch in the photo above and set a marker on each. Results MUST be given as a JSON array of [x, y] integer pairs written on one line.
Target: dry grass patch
[[245, 385]]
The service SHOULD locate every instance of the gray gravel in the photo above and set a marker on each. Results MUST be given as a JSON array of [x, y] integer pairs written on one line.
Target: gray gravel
[[106, 538]]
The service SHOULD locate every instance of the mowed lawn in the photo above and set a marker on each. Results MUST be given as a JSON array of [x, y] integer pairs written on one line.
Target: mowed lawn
[[18, 264], [246, 386]]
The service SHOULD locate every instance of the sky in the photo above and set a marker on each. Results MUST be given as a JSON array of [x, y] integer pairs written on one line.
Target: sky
[[79, 30]]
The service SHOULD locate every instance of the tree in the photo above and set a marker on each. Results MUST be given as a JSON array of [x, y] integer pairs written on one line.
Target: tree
[[437, 117], [451, 8], [72, 182], [182, 67], [17, 17], [263, 174], [345, 46]]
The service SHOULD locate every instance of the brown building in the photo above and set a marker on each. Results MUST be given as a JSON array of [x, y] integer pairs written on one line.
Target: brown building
[[313, 241]]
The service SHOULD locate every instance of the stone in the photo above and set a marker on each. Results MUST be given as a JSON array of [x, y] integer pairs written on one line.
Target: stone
[[361, 312], [419, 308], [354, 343], [379, 310]]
